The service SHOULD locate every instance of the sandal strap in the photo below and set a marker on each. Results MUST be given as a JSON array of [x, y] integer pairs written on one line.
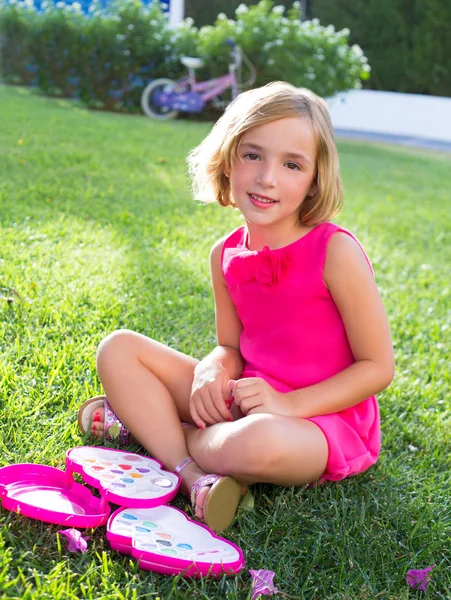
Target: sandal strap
[[186, 461], [200, 483], [114, 429]]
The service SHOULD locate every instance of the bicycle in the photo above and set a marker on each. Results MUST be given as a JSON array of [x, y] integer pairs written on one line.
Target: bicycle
[[164, 98]]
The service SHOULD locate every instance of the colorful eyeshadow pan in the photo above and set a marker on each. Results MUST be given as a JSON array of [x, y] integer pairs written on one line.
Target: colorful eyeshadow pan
[[124, 523]]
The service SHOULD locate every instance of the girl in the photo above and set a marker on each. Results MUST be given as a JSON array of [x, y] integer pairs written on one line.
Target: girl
[[287, 395]]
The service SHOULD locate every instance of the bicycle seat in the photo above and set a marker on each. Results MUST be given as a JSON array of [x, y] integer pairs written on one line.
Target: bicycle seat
[[192, 63]]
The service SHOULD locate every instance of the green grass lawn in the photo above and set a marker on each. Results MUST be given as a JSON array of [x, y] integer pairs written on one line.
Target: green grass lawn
[[98, 232]]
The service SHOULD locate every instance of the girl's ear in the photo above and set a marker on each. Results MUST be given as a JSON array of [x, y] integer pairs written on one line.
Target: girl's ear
[[313, 189]]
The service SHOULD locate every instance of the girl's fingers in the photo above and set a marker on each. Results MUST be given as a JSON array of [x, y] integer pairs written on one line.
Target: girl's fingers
[[238, 387], [206, 409], [246, 381], [203, 414], [250, 402], [227, 394], [220, 404], [256, 410], [241, 392], [211, 406], [194, 415]]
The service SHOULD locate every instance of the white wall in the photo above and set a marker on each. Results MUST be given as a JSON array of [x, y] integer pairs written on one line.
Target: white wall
[[176, 12], [392, 113]]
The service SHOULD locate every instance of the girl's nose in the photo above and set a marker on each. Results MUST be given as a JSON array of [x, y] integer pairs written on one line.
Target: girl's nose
[[267, 175]]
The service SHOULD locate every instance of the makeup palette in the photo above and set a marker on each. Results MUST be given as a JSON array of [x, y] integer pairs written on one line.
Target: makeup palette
[[161, 538], [122, 477]]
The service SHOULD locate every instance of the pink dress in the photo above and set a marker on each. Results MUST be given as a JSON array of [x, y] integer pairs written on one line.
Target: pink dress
[[293, 335]]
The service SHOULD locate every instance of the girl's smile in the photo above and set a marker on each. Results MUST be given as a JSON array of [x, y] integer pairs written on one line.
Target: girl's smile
[[261, 201], [274, 170]]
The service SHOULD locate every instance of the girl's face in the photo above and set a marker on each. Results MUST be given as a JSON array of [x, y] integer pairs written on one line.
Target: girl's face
[[274, 170]]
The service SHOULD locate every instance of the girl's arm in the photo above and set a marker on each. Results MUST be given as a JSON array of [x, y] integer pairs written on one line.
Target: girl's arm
[[211, 392], [351, 284], [228, 324]]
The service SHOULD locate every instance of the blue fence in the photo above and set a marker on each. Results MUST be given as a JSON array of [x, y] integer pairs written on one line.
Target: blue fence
[[85, 4]]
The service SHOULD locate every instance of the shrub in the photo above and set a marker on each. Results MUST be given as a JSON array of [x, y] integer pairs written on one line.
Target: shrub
[[282, 47], [108, 56], [105, 58], [18, 40]]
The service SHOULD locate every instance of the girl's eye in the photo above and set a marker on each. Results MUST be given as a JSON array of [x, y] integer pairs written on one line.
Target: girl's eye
[[293, 166], [251, 156]]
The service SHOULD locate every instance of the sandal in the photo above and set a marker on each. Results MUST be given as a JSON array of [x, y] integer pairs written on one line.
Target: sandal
[[113, 428], [221, 502]]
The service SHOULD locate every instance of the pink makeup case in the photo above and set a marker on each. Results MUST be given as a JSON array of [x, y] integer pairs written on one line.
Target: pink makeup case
[[161, 538]]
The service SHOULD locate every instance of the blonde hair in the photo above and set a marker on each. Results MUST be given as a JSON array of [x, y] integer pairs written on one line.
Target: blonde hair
[[215, 156]]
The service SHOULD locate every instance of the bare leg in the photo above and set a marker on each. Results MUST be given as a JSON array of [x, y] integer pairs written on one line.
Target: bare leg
[[262, 448], [149, 385]]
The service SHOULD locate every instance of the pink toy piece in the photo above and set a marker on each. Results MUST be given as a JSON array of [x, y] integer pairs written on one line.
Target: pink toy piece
[[76, 542], [165, 540], [128, 479], [48, 494]]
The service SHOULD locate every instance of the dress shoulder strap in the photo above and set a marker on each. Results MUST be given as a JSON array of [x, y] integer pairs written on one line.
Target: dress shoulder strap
[[236, 239], [328, 230]]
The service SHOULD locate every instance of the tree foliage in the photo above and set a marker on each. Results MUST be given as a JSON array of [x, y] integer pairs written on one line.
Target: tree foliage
[[408, 42]]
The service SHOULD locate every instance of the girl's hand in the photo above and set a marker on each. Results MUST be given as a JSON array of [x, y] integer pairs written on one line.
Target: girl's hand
[[254, 395], [210, 395]]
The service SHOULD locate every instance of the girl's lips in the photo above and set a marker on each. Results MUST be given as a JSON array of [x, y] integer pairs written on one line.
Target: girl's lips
[[259, 204]]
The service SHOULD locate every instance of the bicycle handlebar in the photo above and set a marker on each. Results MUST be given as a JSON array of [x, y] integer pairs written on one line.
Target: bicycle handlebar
[[239, 56]]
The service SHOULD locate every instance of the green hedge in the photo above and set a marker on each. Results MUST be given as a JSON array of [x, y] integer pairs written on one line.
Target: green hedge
[[204, 12], [107, 57], [407, 43], [104, 59]]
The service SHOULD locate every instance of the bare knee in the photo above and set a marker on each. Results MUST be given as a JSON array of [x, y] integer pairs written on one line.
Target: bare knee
[[275, 449], [255, 451], [119, 346]]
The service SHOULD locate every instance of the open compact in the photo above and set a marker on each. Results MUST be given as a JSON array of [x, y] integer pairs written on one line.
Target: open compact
[[161, 538]]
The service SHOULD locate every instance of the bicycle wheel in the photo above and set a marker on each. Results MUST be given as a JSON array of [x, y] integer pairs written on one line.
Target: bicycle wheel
[[148, 100]]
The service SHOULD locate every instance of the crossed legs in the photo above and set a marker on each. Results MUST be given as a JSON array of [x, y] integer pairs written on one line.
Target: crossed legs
[[261, 448], [149, 384]]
